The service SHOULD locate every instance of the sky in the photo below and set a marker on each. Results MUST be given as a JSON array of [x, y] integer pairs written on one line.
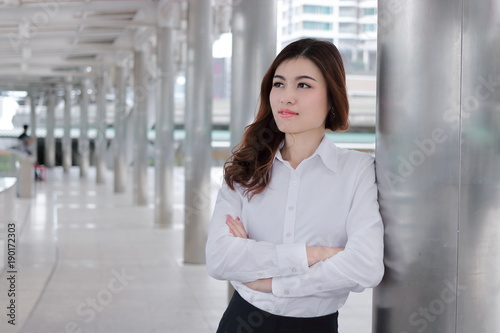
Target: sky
[[223, 46]]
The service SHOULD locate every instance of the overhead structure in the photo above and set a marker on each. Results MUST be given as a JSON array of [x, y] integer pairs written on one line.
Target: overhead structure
[[44, 42]]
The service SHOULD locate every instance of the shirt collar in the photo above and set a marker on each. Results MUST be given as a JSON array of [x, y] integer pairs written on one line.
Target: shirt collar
[[326, 150]]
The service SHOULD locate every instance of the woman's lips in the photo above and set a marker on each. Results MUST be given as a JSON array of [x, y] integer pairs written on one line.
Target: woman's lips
[[285, 113]]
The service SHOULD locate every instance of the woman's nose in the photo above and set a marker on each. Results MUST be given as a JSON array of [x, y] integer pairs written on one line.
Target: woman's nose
[[287, 98]]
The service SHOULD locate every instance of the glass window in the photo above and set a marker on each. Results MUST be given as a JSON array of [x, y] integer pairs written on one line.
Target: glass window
[[311, 25], [347, 12], [370, 27], [348, 27], [369, 11], [310, 9]]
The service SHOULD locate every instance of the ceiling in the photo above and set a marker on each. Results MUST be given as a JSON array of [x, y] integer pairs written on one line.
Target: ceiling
[[50, 42]]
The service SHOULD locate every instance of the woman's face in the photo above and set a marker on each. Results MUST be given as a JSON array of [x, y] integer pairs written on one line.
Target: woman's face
[[298, 97]]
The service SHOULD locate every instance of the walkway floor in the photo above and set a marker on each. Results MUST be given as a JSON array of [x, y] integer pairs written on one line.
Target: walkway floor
[[88, 260]]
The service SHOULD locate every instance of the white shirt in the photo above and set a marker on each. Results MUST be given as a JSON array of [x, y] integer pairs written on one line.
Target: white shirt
[[330, 199]]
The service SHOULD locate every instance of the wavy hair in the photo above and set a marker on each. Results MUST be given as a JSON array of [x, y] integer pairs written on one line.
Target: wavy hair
[[251, 161]]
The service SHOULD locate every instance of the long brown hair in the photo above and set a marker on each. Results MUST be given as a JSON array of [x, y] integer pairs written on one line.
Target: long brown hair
[[251, 161]]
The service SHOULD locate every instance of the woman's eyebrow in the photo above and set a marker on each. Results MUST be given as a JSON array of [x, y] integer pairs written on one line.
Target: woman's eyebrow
[[305, 77], [297, 78]]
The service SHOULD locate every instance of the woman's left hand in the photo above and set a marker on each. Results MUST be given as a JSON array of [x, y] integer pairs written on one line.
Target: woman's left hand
[[262, 285]]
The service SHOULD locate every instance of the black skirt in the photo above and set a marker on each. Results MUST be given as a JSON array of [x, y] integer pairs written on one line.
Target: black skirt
[[242, 317]]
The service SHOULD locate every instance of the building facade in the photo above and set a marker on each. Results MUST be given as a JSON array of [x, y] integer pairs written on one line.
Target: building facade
[[349, 24]]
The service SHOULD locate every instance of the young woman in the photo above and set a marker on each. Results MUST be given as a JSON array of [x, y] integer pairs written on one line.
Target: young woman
[[296, 225]]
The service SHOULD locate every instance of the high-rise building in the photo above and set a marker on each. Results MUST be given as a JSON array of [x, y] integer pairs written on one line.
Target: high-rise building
[[350, 24]]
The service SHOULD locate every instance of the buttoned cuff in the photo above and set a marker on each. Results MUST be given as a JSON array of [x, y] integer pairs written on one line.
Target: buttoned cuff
[[292, 259], [285, 286]]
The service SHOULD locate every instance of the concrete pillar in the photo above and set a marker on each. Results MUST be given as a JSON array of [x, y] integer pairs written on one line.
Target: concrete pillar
[[100, 140], [120, 166], [140, 128], [83, 141], [164, 162], [50, 142], [33, 124], [198, 126], [438, 166], [66, 140], [254, 48]]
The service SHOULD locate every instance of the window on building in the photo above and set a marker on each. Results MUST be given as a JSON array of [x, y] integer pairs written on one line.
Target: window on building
[[310, 9], [312, 25], [369, 11], [348, 12], [348, 27], [372, 27]]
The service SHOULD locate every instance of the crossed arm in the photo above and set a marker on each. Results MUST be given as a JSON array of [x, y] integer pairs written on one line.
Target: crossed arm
[[314, 254]]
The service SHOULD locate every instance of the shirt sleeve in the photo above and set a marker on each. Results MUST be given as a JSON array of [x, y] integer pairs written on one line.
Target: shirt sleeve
[[360, 265], [237, 259]]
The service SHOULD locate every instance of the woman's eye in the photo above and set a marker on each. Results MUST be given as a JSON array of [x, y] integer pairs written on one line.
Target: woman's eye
[[303, 85], [277, 84]]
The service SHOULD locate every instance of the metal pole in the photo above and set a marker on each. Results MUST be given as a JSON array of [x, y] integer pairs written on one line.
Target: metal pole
[[120, 168], [254, 29], [33, 125], [438, 166], [141, 139], [83, 142], [100, 140], [66, 140], [165, 129], [198, 126], [50, 142]]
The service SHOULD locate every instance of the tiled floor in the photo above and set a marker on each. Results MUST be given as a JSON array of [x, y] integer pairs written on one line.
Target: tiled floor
[[91, 261]]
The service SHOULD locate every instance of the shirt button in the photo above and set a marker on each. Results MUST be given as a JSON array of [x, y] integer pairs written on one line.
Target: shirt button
[[294, 269], [294, 182], [290, 207], [286, 292], [288, 234], [320, 288], [260, 275], [277, 311]]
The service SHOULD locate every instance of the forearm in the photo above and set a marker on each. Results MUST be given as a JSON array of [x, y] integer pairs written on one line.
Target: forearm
[[315, 254]]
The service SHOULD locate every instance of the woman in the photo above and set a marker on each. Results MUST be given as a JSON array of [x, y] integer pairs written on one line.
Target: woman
[[296, 225]]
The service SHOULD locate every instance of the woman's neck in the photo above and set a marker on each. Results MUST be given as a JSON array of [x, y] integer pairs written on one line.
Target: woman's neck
[[299, 147]]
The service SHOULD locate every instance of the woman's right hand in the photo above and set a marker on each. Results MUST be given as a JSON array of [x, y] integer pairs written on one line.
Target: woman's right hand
[[316, 254], [236, 227]]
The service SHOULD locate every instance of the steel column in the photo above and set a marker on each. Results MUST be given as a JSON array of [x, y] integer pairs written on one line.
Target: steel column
[[164, 162], [120, 168], [198, 126], [50, 142], [478, 290], [438, 166], [254, 48], [141, 139], [33, 125], [66, 140], [100, 140], [83, 141]]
